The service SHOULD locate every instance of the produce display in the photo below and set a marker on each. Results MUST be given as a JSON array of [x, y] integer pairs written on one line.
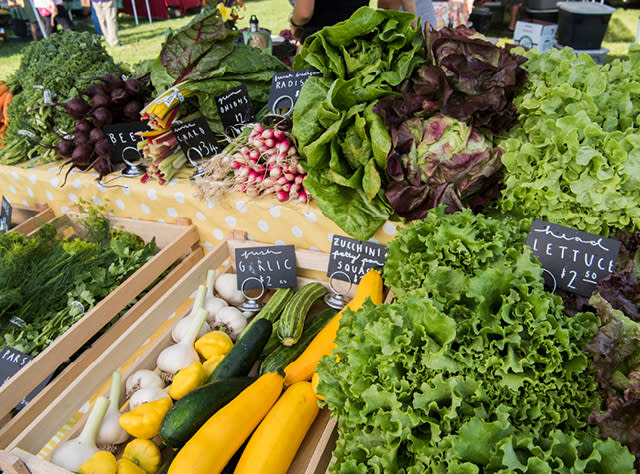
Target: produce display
[[48, 282], [470, 365]]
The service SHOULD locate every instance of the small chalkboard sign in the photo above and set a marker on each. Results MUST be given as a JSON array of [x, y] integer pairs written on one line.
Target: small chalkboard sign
[[123, 140], [196, 139], [11, 361], [350, 259], [572, 260], [5, 215], [273, 265], [235, 108], [285, 89]]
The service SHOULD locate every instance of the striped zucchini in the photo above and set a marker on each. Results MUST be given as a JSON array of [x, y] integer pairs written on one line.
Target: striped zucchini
[[295, 312], [281, 356], [272, 308]]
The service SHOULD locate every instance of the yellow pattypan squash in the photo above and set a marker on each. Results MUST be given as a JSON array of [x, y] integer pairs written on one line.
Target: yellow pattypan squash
[[144, 453], [125, 466], [187, 379], [102, 462], [213, 343], [210, 364], [144, 420]]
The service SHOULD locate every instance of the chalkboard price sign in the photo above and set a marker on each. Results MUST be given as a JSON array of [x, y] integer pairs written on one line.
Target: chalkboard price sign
[[572, 260], [235, 107], [273, 265], [350, 259], [123, 140], [11, 361], [5, 215], [285, 89], [196, 139]]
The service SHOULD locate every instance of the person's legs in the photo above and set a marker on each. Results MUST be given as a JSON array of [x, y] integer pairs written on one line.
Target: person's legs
[[513, 16], [62, 18], [111, 17]]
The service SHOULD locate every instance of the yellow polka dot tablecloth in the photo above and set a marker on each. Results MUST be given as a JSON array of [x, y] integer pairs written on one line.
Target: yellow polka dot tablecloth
[[264, 219]]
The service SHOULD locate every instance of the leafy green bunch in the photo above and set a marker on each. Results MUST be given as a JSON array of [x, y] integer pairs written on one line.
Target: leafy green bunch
[[47, 282], [573, 158], [473, 369], [343, 143], [54, 69]]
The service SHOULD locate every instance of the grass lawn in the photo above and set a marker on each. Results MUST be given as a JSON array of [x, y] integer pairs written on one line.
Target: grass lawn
[[143, 41]]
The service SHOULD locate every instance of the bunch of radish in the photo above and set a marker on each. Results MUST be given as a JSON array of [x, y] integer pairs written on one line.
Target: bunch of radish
[[267, 163], [110, 99]]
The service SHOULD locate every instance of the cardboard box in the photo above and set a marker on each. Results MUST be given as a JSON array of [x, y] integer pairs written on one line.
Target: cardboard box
[[535, 34]]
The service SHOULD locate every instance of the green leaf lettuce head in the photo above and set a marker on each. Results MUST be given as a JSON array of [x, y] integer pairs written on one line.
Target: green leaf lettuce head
[[476, 369], [342, 142], [573, 157]]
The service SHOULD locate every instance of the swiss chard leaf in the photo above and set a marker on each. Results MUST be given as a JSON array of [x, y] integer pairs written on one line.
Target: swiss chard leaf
[[197, 48]]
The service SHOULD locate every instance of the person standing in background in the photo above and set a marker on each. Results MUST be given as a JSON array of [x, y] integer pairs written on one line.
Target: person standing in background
[[310, 16], [53, 13], [107, 13], [422, 8]]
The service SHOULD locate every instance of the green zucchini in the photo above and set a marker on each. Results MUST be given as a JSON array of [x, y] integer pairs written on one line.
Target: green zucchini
[[189, 413], [279, 358], [244, 353], [294, 314], [272, 308], [273, 341]]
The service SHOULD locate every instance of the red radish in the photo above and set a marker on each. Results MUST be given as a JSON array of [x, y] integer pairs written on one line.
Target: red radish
[[279, 135], [267, 133], [282, 196]]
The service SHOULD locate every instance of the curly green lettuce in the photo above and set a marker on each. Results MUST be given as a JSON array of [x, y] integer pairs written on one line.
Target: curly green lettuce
[[473, 369]]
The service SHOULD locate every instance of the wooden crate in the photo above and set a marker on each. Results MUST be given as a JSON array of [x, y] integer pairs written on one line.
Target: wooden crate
[[315, 452], [28, 219], [179, 247]]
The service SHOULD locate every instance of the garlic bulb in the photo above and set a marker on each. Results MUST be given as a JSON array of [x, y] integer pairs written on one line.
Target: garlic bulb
[[227, 288], [212, 303], [142, 378], [231, 320], [74, 453], [180, 329], [111, 434], [182, 354]]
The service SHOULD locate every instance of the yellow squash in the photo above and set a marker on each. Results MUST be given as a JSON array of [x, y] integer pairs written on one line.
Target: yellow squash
[[275, 442], [144, 420], [213, 343], [211, 447], [304, 366], [186, 380], [144, 453], [102, 462], [125, 466]]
